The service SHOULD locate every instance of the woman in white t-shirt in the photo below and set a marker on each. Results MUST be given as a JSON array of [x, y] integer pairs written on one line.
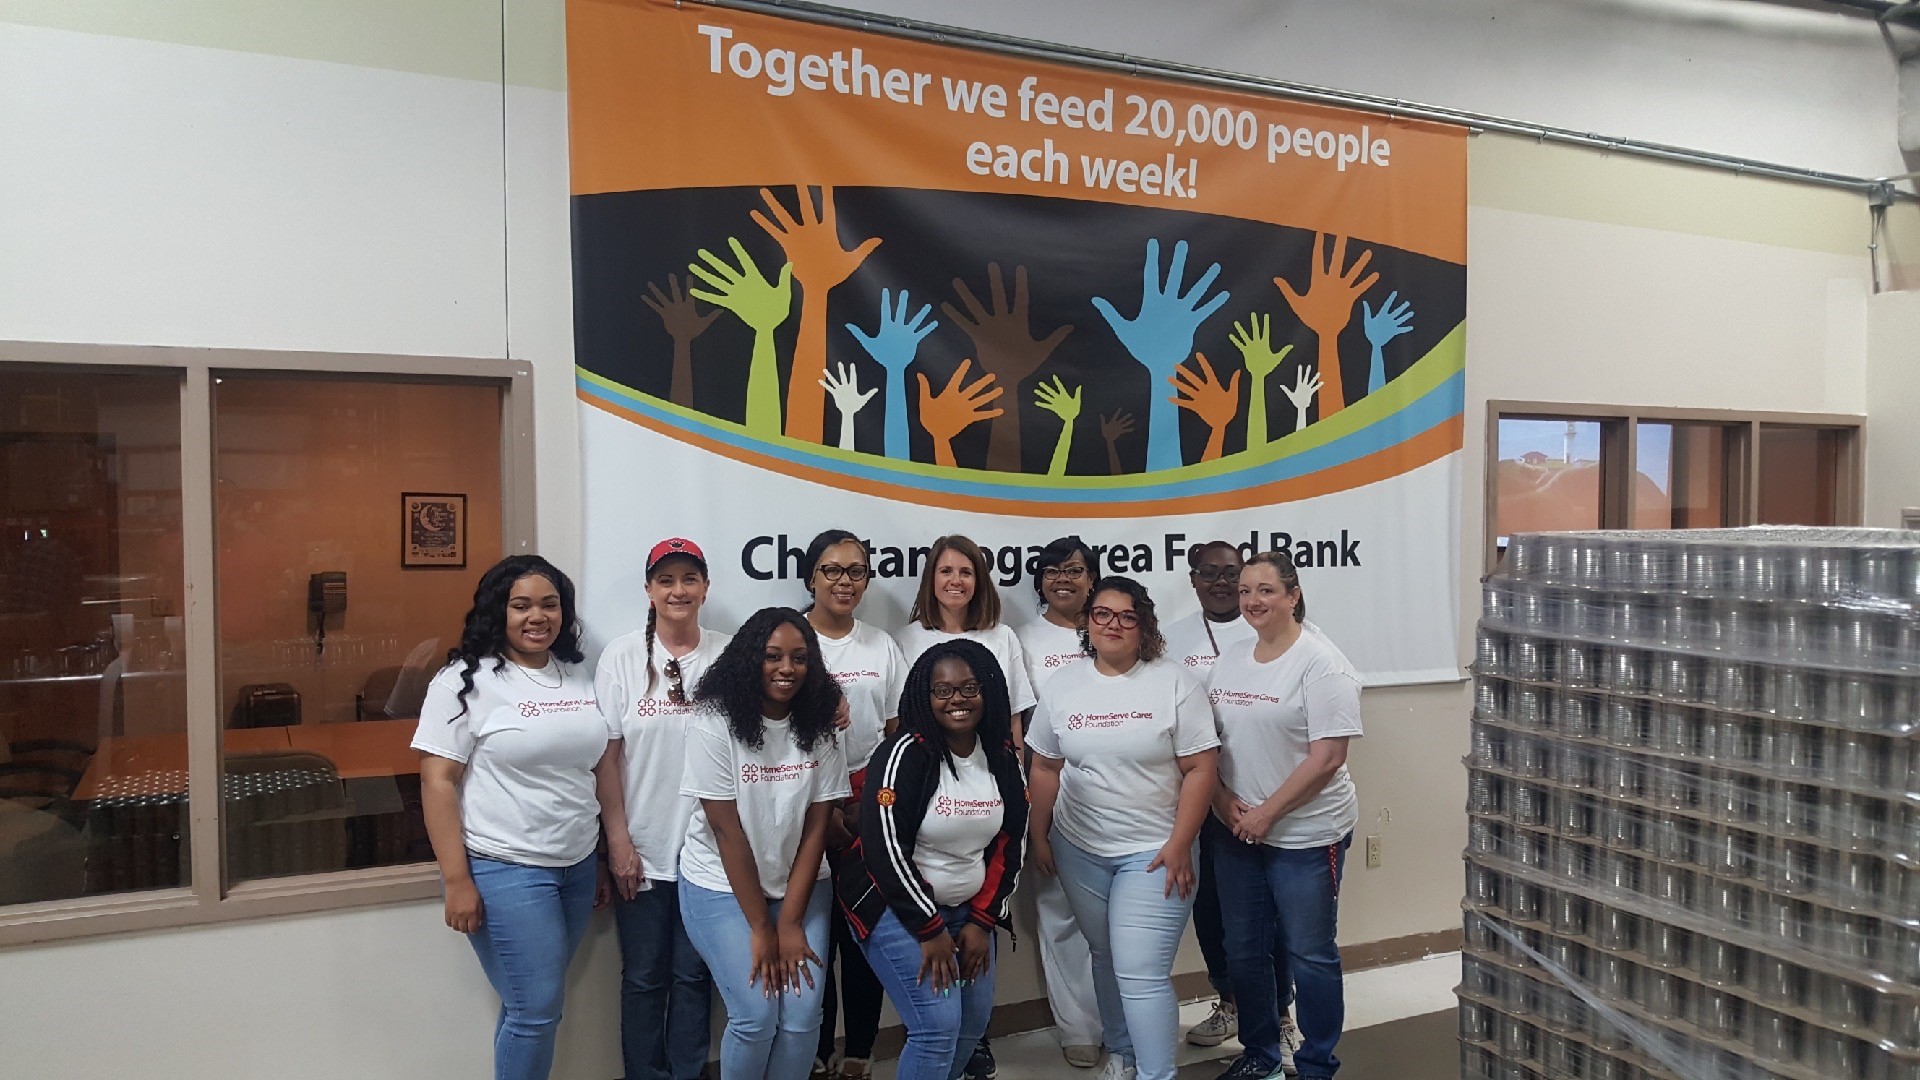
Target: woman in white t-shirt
[[957, 599], [509, 733], [868, 666], [645, 684], [1123, 770], [1063, 575], [1286, 704], [767, 768]]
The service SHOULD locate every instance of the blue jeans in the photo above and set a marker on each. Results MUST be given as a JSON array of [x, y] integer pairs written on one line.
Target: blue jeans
[[531, 920], [1133, 930], [1212, 935], [1297, 890], [766, 1038], [666, 995], [939, 1024]]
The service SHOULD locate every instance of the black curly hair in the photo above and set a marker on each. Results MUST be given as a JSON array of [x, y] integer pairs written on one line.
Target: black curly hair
[[996, 721], [485, 632], [1153, 645], [735, 683]]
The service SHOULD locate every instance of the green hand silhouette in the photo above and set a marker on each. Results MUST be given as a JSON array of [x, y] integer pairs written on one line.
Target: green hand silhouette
[[1255, 342], [1056, 399], [762, 305]]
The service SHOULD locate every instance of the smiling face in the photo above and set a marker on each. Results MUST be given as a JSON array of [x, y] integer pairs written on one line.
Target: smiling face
[[953, 583], [783, 667], [843, 560], [1065, 587], [1114, 642], [533, 619], [677, 587], [959, 713], [1264, 598], [1216, 581]]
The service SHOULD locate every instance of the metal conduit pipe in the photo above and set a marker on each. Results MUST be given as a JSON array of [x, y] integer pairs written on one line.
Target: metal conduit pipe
[[1395, 107]]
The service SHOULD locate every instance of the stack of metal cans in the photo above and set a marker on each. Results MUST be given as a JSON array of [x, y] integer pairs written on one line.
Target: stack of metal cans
[[1694, 808]]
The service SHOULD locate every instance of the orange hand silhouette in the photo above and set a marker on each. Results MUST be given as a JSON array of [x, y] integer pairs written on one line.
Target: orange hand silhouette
[[681, 316], [1212, 401], [1327, 307], [812, 244], [955, 409]]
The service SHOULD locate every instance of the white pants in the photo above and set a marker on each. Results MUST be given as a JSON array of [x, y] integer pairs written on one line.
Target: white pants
[[1067, 964]]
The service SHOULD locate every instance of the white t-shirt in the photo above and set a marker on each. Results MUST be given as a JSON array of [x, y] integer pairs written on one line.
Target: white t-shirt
[[1119, 736], [1049, 648], [1189, 646], [771, 787], [965, 815], [1269, 713], [871, 672], [656, 733], [999, 640], [529, 746]]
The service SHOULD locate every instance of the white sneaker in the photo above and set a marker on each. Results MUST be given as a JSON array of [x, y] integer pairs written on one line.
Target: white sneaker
[[1116, 1069], [1289, 1042], [1081, 1055], [1219, 1026]]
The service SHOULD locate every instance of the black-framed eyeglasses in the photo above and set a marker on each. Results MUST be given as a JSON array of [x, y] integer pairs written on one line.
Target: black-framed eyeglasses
[[831, 572], [1055, 573], [942, 691], [1211, 574], [676, 691], [1104, 616]]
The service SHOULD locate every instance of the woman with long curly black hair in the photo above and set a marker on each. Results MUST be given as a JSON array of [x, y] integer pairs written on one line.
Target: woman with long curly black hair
[[767, 767], [942, 820], [509, 734]]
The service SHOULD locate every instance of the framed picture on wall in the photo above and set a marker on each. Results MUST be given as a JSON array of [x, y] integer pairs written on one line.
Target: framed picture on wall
[[433, 530]]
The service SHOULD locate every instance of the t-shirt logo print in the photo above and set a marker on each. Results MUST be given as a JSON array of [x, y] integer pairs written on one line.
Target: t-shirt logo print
[[529, 708], [943, 806], [749, 773], [1075, 721]]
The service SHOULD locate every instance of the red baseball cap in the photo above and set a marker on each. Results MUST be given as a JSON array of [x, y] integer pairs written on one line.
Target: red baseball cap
[[676, 546]]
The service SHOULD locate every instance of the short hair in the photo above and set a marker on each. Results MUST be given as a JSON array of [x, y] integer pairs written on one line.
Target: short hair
[[1197, 550], [982, 611], [1282, 564], [1055, 554], [1153, 644], [811, 559]]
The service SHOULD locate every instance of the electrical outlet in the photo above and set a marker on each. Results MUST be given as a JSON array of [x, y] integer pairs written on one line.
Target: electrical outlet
[[1373, 852]]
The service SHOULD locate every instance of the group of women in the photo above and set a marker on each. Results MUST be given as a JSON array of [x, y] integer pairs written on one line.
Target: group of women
[[810, 814]]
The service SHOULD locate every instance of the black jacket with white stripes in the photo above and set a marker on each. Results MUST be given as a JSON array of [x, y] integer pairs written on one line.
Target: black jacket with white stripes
[[877, 871]]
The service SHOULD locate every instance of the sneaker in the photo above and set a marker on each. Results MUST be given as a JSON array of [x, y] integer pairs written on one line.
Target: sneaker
[[1116, 1069], [852, 1068], [1289, 1042], [1252, 1067], [1081, 1055], [1219, 1026], [981, 1065]]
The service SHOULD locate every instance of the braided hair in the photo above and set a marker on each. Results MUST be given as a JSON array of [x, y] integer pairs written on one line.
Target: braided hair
[[996, 722]]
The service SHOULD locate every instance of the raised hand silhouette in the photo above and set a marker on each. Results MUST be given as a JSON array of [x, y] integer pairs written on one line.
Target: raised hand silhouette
[[762, 305], [1305, 385], [1057, 399], [1255, 342], [1206, 397], [1327, 307], [684, 322], [812, 244], [1112, 428], [1381, 327], [1160, 338], [1006, 348], [893, 346], [955, 409], [847, 398]]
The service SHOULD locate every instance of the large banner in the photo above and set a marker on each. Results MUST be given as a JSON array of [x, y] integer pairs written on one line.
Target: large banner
[[828, 278]]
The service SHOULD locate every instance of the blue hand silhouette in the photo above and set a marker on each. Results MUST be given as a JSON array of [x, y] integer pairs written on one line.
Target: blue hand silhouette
[[1381, 327], [893, 346], [1161, 338]]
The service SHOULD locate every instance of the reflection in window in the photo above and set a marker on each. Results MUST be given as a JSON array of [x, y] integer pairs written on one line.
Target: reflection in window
[[345, 509], [1681, 481], [93, 744], [1800, 470], [1548, 476]]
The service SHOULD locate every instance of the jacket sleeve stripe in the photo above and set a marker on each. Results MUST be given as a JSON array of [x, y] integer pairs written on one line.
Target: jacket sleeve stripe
[[897, 860]]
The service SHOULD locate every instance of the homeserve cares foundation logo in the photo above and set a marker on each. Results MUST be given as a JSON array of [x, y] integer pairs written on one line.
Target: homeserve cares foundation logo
[[947, 806], [773, 774], [1242, 698], [1077, 721], [845, 677], [540, 708]]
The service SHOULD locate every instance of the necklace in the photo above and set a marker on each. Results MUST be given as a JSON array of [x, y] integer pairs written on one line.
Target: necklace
[[528, 672]]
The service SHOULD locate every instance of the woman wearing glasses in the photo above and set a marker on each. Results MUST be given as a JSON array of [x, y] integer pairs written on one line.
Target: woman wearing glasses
[[1123, 771], [645, 686], [1052, 642], [870, 670]]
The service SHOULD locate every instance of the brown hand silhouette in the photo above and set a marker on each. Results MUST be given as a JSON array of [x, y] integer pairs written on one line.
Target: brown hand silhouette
[[955, 409], [1206, 397], [681, 316], [1327, 307], [812, 244], [1006, 349], [1111, 429]]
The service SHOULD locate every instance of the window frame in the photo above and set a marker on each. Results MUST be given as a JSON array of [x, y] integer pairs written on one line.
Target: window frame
[[1619, 454], [211, 897]]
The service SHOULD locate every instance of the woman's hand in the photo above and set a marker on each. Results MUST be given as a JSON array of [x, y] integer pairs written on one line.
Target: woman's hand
[[843, 716], [839, 830], [976, 951], [602, 886], [1255, 824], [1229, 808], [795, 957], [1179, 863], [463, 906], [765, 946], [624, 866], [1040, 854], [937, 962]]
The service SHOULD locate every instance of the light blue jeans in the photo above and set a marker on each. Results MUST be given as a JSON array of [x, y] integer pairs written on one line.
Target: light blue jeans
[[531, 920], [1133, 930], [939, 1023], [767, 1038]]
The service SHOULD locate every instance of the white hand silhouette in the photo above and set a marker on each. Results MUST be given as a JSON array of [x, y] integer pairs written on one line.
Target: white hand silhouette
[[1305, 385], [843, 386]]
